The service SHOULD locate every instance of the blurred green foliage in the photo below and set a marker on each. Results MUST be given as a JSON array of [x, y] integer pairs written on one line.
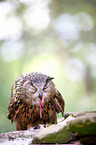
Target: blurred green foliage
[[54, 37]]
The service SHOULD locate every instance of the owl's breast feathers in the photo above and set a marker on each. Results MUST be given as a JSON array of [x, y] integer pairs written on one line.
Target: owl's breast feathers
[[33, 111]]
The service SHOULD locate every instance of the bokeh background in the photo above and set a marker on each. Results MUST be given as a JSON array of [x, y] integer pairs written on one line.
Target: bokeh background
[[55, 37]]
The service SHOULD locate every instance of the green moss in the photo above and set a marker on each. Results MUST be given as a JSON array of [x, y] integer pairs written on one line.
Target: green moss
[[61, 136], [83, 129]]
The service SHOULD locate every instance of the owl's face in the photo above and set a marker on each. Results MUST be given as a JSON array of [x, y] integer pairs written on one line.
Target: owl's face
[[38, 87]]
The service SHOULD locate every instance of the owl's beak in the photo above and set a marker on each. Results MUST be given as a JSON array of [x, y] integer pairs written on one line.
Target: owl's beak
[[40, 96], [41, 101]]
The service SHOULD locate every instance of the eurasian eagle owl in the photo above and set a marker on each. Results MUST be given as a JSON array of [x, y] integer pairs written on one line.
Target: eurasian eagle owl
[[34, 100]]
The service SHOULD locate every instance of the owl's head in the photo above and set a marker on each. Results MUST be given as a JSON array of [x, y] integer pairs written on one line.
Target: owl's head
[[38, 87]]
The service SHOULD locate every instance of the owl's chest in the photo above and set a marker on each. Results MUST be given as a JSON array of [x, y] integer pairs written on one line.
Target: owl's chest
[[34, 113]]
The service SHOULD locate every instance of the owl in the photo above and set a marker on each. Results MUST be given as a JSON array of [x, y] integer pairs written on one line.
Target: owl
[[34, 100]]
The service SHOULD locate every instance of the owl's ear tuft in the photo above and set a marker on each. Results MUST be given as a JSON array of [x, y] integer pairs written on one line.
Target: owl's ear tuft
[[52, 78], [49, 78]]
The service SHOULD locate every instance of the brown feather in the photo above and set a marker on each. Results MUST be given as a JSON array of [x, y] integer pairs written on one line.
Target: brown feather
[[59, 102]]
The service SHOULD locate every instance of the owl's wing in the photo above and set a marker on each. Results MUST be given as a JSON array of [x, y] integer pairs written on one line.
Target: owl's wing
[[59, 102], [12, 110], [15, 102], [14, 106]]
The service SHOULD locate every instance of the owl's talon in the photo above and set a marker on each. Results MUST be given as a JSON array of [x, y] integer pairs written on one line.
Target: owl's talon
[[35, 127]]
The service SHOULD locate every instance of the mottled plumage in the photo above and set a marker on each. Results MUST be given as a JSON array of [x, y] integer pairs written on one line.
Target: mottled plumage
[[34, 100]]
